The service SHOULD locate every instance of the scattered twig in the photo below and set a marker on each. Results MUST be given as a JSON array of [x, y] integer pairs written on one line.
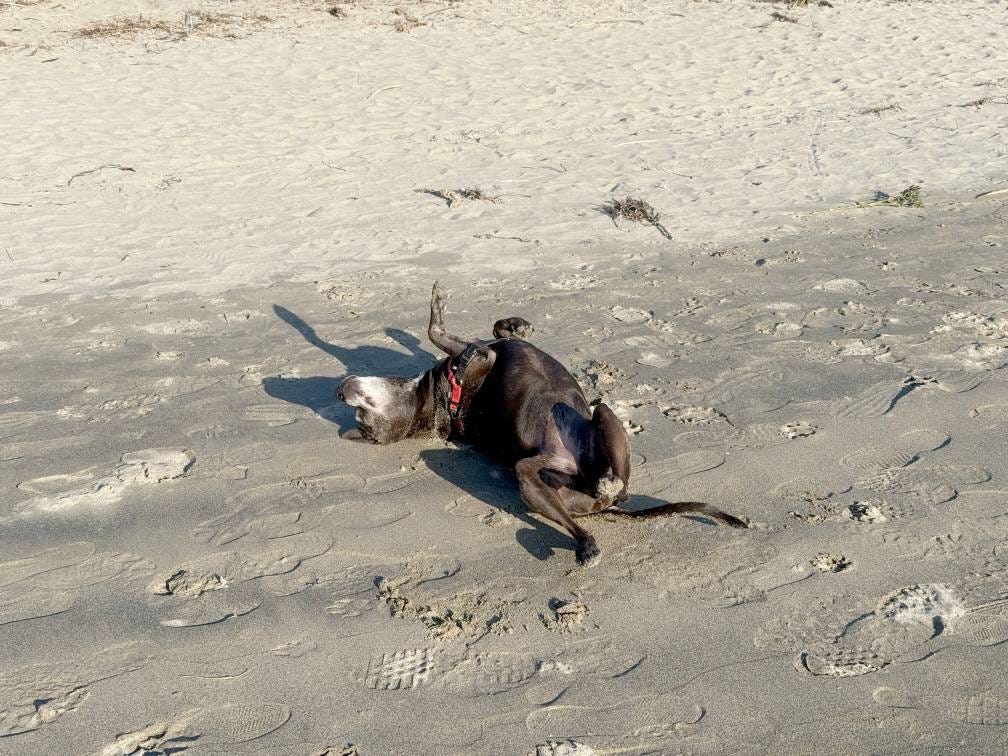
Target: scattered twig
[[383, 89], [101, 168], [636, 210], [778, 16], [992, 192], [561, 169], [979, 103], [880, 109], [504, 238]]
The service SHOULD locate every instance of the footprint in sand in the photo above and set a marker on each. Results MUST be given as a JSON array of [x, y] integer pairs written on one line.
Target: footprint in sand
[[43, 584], [490, 673], [17, 607], [929, 484], [486, 514], [992, 415], [227, 724], [693, 414], [903, 622], [207, 612], [149, 466], [756, 436], [654, 477], [875, 511], [907, 449], [273, 415], [953, 381], [406, 669], [876, 400], [633, 724], [350, 608], [37, 695], [986, 709], [264, 513], [218, 571]]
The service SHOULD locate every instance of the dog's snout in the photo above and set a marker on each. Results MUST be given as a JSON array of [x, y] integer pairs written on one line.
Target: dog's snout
[[345, 388]]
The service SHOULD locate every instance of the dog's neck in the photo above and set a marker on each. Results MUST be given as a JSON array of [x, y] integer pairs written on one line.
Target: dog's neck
[[424, 414]]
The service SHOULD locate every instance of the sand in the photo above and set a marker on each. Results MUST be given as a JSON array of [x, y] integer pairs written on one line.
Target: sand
[[210, 216]]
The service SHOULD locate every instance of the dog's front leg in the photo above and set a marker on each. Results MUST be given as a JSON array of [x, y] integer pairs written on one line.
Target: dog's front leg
[[448, 343]]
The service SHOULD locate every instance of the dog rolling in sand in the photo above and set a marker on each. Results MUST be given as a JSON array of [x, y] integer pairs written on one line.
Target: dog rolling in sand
[[522, 407]]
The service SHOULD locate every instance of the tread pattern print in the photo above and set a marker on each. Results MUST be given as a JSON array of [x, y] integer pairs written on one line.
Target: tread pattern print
[[875, 401], [985, 709], [400, 670], [236, 723]]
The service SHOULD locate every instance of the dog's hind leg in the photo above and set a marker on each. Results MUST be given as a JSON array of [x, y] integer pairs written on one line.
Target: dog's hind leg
[[448, 343], [513, 328], [543, 499], [575, 500]]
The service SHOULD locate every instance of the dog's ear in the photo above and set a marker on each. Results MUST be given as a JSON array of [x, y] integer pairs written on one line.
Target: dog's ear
[[477, 370]]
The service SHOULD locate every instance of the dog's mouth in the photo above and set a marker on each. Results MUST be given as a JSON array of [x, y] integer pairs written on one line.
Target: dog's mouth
[[362, 427]]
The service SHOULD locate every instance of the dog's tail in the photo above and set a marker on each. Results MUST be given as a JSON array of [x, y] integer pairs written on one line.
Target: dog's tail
[[680, 507]]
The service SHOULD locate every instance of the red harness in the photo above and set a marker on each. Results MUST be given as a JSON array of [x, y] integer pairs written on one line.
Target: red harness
[[455, 369], [456, 392]]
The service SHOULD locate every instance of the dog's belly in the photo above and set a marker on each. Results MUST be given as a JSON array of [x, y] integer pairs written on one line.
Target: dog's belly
[[520, 400]]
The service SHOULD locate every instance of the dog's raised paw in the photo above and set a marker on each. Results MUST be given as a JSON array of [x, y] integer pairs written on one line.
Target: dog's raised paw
[[507, 328]]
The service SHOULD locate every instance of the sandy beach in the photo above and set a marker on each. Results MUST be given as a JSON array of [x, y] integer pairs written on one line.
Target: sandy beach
[[210, 214]]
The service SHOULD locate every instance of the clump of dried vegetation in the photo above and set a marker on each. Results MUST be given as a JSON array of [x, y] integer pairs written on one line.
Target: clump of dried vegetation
[[909, 197], [406, 22], [878, 110], [636, 210], [192, 24], [454, 196]]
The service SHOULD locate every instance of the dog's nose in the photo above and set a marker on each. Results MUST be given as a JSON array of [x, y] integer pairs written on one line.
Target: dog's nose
[[344, 387]]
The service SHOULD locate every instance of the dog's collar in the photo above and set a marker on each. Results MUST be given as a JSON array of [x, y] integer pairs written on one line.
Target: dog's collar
[[456, 372]]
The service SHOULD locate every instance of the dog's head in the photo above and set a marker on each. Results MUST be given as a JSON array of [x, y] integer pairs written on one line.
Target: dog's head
[[387, 409]]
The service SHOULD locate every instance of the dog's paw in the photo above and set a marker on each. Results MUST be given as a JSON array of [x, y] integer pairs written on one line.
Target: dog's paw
[[507, 328], [588, 553], [439, 295], [610, 489]]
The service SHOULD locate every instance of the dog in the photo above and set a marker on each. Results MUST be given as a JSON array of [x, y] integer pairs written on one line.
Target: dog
[[513, 401]]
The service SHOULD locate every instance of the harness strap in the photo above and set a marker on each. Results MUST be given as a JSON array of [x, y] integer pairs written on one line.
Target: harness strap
[[456, 371]]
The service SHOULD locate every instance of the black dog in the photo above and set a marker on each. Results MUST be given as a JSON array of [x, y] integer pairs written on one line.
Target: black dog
[[520, 405]]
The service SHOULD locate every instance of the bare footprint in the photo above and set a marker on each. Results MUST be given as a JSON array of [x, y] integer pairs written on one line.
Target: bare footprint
[[149, 466]]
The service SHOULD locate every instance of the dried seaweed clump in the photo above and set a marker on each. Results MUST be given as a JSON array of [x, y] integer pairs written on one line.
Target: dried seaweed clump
[[455, 196], [636, 210], [909, 197]]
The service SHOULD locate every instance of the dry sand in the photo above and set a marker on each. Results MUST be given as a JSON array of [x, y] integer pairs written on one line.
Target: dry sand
[[208, 217]]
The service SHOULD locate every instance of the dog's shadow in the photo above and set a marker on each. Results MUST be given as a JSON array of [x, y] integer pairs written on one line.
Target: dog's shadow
[[497, 486], [318, 393]]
